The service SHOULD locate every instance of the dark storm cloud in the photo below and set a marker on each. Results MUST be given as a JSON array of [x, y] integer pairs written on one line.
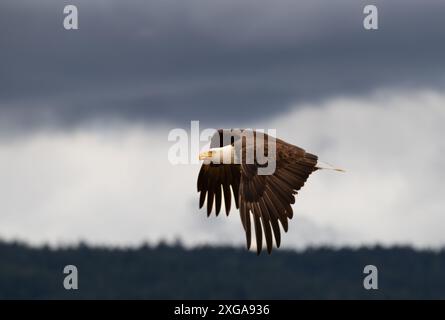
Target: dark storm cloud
[[179, 60]]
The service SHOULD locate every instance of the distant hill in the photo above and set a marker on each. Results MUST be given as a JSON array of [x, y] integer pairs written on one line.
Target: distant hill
[[173, 272]]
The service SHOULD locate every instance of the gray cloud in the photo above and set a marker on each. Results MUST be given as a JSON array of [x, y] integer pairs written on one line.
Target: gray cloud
[[181, 60]]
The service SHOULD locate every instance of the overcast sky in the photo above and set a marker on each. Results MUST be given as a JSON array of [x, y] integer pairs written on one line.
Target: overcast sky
[[85, 114]]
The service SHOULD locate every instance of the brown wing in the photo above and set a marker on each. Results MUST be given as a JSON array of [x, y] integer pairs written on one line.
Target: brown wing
[[269, 197], [216, 180]]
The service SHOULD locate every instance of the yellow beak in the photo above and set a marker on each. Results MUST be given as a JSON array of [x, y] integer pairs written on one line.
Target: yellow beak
[[205, 155]]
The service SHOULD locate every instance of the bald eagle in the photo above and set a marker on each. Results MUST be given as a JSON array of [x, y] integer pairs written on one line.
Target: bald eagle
[[264, 198]]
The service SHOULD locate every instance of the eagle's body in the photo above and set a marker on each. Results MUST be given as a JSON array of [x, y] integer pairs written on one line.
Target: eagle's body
[[264, 201]]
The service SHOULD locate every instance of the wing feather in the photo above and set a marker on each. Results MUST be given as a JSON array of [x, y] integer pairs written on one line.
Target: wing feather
[[215, 182], [269, 198], [258, 233]]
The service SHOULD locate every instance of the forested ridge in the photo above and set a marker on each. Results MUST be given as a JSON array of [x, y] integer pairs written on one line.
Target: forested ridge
[[174, 272]]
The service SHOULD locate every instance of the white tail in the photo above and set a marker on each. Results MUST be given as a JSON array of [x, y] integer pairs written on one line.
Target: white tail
[[327, 166]]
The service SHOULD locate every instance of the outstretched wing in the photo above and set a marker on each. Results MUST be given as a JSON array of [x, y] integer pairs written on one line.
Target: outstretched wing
[[268, 198], [217, 180]]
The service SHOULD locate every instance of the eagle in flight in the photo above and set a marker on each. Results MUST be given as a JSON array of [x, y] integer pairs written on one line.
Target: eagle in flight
[[264, 198]]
